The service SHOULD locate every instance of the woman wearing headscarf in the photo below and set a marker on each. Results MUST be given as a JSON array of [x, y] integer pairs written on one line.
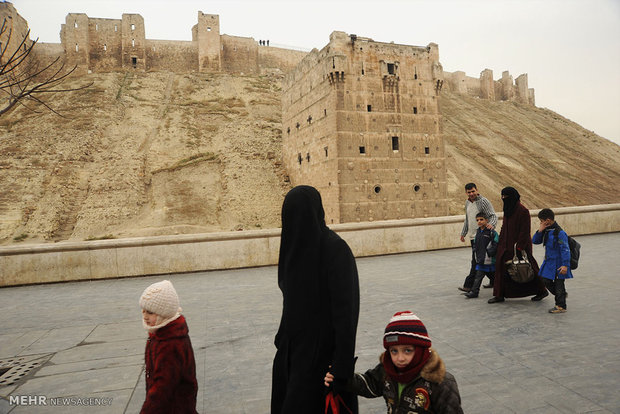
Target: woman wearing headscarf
[[516, 228], [318, 279]]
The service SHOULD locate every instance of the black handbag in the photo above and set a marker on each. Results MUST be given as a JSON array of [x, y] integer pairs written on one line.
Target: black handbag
[[519, 270]]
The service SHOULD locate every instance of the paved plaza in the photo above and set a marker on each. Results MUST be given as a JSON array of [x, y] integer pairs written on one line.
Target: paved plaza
[[85, 340]]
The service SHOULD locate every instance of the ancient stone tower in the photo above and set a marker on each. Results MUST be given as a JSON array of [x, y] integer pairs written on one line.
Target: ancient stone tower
[[361, 124], [104, 44], [207, 34]]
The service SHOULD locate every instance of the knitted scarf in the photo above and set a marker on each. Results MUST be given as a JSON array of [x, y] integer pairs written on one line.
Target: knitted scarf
[[411, 371]]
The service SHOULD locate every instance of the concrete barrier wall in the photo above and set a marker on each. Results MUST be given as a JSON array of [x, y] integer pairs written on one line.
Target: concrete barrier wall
[[65, 261]]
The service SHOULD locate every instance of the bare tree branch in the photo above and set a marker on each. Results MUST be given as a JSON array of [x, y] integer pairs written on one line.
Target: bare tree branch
[[23, 77]]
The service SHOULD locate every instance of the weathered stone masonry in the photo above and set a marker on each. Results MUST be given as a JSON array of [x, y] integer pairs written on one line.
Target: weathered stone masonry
[[361, 119], [361, 123]]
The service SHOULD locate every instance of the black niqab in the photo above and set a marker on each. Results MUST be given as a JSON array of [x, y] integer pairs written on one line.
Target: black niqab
[[303, 226], [510, 197]]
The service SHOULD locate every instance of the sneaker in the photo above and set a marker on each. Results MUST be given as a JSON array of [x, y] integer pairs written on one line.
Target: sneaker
[[540, 297], [557, 309], [470, 295], [464, 289]]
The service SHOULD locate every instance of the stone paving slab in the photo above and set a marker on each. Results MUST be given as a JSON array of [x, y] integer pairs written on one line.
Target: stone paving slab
[[511, 357]]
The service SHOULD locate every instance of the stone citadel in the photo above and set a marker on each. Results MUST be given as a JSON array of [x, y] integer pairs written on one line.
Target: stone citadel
[[360, 119]]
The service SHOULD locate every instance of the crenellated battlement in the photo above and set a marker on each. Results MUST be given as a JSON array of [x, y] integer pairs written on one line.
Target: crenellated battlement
[[104, 45], [503, 89]]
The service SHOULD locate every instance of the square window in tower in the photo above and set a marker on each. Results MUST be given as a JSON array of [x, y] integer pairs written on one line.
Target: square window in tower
[[369, 108], [362, 149], [391, 68], [427, 150]]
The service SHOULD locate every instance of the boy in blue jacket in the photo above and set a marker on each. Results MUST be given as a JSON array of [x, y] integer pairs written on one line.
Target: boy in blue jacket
[[555, 268], [485, 247]]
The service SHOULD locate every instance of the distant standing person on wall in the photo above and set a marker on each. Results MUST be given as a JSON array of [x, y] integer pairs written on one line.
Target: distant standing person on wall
[[318, 278], [475, 204], [516, 227]]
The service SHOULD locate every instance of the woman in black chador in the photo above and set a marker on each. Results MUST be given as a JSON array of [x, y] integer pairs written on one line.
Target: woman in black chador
[[318, 279]]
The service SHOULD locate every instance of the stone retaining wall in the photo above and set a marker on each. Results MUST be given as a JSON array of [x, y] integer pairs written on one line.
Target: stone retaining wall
[[65, 261]]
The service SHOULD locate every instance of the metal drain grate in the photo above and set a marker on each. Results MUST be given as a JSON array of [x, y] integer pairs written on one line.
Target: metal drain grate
[[14, 369]]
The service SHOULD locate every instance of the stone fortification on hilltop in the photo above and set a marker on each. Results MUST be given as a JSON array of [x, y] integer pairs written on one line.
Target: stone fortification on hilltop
[[361, 123], [104, 45], [205, 153], [504, 89]]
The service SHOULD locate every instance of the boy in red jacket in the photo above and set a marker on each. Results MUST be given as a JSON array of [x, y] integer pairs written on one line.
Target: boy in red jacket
[[171, 385]]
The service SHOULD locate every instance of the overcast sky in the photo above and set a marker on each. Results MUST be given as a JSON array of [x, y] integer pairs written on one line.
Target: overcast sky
[[570, 49]]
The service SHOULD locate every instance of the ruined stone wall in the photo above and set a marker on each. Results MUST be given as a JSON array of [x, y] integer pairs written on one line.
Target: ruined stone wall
[[361, 123], [270, 57], [74, 37], [46, 53], [207, 34], [104, 44], [177, 56], [16, 29], [503, 89], [100, 45], [239, 54], [133, 42]]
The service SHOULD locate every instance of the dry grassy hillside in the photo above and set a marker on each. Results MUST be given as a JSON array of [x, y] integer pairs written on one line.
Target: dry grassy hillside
[[163, 153], [144, 154], [550, 160]]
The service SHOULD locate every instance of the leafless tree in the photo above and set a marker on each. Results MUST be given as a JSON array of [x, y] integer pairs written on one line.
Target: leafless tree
[[23, 80]]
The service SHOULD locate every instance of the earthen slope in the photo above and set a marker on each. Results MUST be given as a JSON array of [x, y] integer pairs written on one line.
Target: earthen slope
[[162, 153]]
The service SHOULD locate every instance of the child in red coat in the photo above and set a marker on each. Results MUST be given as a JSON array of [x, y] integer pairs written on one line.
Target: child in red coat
[[171, 385]]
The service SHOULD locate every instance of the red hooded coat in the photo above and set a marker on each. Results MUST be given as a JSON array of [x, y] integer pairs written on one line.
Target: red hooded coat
[[171, 385]]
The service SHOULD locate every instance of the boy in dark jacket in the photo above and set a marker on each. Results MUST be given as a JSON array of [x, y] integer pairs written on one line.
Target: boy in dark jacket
[[555, 269], [485, 247], [171, 385], [411, 376]]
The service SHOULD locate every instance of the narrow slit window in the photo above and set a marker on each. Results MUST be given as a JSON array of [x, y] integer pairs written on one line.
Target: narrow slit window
[[299, 159], [134, 61], [308, 156], [115, 28], [133, 26], [427, 150], [133, 42], [394, 143], [415, 109], [369, 108], [75, 25], [325, 148], [77, 48], [105, 47]]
